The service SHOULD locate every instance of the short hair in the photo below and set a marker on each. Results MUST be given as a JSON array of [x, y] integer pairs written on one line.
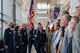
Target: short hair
[[62, 28], [67, 17], [57, 22], [58, 25], [23, 24], [39, 23], [75, 18], [16, 28], [10, 23], [65, 12]]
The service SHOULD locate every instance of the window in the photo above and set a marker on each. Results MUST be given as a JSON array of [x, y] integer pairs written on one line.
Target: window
[[42, 17], [0, 9], [0, 6], [0, 29], [0, 16], [41, 12], [0, 20], [43, 6]]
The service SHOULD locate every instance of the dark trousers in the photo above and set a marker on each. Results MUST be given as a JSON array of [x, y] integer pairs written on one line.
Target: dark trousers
[[24, 48], [17, 50], [29, 48], [30, 43], [9, 50], [40, 49]]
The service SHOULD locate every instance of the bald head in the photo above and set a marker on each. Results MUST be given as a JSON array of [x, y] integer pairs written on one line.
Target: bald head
[[11, 24], [23, 25], [78, 9]]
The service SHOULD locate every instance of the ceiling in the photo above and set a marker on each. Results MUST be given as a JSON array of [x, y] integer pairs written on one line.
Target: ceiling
[[41, 11], [43, 1]]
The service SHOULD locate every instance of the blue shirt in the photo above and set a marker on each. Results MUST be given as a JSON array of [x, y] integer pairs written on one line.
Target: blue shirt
[[57, 39]]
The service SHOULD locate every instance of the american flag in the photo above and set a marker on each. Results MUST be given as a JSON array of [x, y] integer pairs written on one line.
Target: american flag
[[31, 15]]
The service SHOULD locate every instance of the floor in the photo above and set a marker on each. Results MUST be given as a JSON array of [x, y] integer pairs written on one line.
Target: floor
[[33, 50]]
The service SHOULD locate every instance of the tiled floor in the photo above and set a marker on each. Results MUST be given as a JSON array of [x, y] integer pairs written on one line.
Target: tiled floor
[[33, 50]]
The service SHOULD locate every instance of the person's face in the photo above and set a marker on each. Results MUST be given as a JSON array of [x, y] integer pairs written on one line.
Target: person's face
[[63, 22], [47, 28], [18, 28], [39, 26], [78, 9], [72, 24], [61, 14], [56, 27], [11, 25], [32, 26], [24, 26], [52, 28]]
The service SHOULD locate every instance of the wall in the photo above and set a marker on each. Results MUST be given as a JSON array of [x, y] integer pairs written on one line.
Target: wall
[[7, 13], [73, 4], [21, 12]]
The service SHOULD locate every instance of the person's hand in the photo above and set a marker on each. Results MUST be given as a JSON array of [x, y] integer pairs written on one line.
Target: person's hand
[[35, 36], [22, 42], [46, 43], [6, 46], [17, 46]]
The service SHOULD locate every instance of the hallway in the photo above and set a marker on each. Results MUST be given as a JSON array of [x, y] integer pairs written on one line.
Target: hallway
[[35, 17]]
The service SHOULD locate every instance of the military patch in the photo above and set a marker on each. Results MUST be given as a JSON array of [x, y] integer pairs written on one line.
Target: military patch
[[19, 34], [9, 32], [43, 32], [24, 33]]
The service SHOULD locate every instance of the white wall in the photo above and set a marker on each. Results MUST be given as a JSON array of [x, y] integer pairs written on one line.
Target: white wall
[[25, 11], [21, 13], [24, 16], [18, 15], [73, 4], [7, 13], [0, 5]]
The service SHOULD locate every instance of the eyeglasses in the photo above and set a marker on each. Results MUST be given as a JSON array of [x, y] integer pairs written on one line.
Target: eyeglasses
[[77, 7]]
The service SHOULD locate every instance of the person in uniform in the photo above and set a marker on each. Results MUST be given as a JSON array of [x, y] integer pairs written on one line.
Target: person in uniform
[[48, 35], [8, 38], [40, 39], [24, 38], [31, 39], [17, 40]]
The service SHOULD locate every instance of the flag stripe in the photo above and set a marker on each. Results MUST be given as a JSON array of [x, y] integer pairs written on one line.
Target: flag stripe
[[31, 15]]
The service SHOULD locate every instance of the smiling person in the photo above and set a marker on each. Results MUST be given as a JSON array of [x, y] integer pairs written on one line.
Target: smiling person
[[64, 22], [72, 25], [76, 37]]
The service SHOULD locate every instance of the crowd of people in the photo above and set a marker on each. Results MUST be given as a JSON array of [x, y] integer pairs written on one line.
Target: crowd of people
[[63, 37]]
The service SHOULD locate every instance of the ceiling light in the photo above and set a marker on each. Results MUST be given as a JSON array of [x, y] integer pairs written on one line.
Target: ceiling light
[[43, 6], [42, 17]]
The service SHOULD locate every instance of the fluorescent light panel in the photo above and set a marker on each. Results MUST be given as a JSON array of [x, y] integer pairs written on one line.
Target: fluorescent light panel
[[43, 6], [41, 12], [42, 17]]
